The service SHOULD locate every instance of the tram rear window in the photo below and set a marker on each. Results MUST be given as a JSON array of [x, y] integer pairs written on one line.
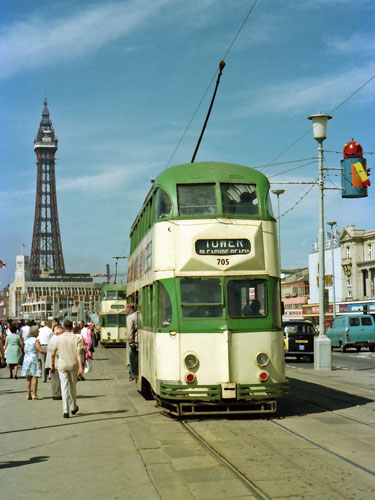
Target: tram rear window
[[247, 298], [197, 199], [114, 320], [239, 199], [201, 297]]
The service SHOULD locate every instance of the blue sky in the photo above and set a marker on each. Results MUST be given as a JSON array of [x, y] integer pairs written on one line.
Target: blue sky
[[123, 78]]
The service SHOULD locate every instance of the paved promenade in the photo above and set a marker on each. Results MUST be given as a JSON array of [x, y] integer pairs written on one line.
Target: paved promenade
[[120, 446]]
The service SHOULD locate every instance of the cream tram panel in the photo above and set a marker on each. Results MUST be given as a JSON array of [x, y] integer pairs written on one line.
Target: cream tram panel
[[185, 261], [216, 353], [174, 253]]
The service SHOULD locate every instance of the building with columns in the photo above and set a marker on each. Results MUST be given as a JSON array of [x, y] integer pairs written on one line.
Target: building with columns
[[358, 263]]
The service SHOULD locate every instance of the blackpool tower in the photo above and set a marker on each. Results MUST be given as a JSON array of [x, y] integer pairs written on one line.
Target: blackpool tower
[[46, 259]]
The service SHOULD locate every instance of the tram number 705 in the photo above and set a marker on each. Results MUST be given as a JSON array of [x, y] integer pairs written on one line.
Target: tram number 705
[[223, 262]]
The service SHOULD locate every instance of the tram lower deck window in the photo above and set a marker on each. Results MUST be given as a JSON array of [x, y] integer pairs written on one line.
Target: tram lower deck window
[[201, 297], [247, 298]]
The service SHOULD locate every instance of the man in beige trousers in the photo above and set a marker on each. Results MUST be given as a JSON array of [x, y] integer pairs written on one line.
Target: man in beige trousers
[[68, 346]]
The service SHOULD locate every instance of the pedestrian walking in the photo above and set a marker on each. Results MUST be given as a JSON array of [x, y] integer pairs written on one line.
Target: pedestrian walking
[[68, 346], [30, 367], [13, 348], [55, 379], [45, 333], [25, 331], [132, 340]]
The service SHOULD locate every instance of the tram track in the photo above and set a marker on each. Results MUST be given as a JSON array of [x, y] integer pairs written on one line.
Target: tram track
[[323, 448], [326, 408], [250, 485]]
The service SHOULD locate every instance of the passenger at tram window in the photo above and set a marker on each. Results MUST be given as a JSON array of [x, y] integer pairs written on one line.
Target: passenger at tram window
[[252, 309], [248, 203]]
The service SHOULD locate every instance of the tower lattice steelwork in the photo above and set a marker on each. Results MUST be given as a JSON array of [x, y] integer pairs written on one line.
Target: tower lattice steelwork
[[46, 251]]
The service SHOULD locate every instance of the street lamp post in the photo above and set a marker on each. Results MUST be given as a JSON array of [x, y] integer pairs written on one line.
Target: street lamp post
[[322, 344], [278, 192], [331, 224]]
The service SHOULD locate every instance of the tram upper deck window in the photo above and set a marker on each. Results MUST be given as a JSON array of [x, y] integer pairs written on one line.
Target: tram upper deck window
[[247, 298], [201, 297], [196, 199], [162, 204], [111, 295], [239, 199]]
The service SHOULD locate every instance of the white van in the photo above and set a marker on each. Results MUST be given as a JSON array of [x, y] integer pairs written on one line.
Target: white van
[[353, 331]]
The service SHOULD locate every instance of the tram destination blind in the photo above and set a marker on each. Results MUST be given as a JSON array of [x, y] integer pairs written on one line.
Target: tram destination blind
[[222, 247]]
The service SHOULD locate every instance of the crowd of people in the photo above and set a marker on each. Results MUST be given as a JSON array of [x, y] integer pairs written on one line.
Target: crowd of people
[[51, 351]]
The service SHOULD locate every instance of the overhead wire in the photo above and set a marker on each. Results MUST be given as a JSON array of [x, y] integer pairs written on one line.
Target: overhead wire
[[291, 169], [300, 199], [283, 162], [340, 152], [330, 112], [211, 81]]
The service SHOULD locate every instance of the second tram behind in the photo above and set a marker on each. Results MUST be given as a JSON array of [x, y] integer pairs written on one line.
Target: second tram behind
[[112, 316], [204, 273]]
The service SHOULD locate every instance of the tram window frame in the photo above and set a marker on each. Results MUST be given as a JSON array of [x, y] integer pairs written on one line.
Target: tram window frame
[[162, 197], [186, 191], [236, 193], [111, 323], [250, 312], [165, 309], [121, 316], [269, 207], [195, 308]]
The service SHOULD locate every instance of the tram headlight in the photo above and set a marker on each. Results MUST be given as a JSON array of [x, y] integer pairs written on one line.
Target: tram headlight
[[262, 359], [191, 361]]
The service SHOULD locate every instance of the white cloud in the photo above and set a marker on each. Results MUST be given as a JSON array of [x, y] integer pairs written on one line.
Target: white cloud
[[311, 94], [43, 41], [357, 43]]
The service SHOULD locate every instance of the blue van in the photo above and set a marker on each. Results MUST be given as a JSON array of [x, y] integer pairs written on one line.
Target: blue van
[[353, 331]]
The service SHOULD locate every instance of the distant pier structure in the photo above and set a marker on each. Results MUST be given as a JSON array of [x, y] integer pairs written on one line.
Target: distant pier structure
[[46, 257]]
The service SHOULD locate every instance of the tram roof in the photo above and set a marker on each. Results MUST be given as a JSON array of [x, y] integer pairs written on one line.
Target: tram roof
[[210, 172], [204, 172], [114, 286]]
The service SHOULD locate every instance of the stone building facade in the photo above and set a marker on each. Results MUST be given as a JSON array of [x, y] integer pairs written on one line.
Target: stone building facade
[[358, 263]]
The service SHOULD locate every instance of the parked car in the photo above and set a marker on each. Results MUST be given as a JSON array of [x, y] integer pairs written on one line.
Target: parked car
[[353, 331], [299, 339]]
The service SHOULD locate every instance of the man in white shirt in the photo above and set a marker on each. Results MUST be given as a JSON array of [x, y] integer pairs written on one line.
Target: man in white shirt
[[68, 345], [45, 333], [25, 331], [132, 340]]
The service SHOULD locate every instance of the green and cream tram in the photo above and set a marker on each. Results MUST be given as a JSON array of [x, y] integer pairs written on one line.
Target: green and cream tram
[[112, 317], [204, 272]]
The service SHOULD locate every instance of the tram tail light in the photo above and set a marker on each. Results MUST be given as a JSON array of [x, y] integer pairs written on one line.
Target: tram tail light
[[347, 334], [190, 378], [263, 376]]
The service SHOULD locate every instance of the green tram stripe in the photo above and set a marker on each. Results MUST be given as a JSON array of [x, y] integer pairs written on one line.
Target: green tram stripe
[[213, 392]]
